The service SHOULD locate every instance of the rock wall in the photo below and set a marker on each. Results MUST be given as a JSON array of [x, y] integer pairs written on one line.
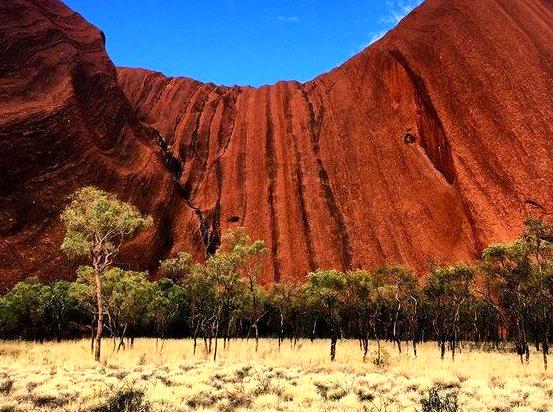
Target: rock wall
[[430, 144]]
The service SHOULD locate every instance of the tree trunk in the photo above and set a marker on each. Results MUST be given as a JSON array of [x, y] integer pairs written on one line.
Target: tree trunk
[[395, 334], [59, 331], [281, 330], [545, 351], [545, 341], [228, 335], [333, 341], [314, 329], [196, 336], [216, 339], [122, 339], [100, 325]]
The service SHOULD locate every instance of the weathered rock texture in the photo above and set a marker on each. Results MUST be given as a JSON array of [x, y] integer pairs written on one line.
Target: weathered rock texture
[[64, 123], [428, 145]]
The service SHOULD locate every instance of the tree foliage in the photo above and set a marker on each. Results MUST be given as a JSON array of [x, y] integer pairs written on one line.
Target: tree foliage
[[505, 300], [97, 224]]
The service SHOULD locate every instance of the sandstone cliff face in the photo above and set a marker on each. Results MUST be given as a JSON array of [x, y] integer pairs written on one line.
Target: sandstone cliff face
[[428, 145], [64, 123]]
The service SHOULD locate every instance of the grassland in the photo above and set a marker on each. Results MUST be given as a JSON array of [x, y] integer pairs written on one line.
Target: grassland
[[63, 377]]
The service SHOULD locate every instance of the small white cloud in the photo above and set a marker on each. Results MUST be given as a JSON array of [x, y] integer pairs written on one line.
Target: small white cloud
[[396, 11], [288, 19], [377, 36], [374, 38]]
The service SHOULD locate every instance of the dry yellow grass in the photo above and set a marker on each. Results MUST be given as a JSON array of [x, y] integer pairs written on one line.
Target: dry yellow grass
[[64, 377]]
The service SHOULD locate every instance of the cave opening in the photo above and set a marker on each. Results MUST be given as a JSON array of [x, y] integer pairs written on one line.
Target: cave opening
[[410, 138]]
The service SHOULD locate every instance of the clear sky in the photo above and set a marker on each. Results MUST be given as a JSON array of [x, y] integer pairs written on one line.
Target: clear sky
[[246, 42]]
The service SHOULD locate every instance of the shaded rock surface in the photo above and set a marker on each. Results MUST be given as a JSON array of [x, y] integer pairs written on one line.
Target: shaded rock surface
[[430, 144]]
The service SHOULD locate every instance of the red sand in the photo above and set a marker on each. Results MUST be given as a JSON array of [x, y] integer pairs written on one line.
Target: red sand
[[425, 147]]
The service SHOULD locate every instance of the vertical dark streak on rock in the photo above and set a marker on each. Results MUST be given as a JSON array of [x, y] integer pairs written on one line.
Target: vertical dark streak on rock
[[336, 214], [199, 106], [230, 104], [242, 176], [187, 150], [201, 158], [210, 221], [166, 235], [270, 166], [209, 231], [157, 98], [184, 112], [299, 181], [143, 93], [214, 233], [228, 100], [478, 243]]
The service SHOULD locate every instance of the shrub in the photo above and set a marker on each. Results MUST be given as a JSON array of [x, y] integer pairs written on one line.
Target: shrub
[[6, 386], [440, 400], [381, 359], [125, 399]]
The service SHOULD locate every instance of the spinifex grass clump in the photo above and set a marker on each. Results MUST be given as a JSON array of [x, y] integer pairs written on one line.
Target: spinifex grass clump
[[440, 400], [125, 399]]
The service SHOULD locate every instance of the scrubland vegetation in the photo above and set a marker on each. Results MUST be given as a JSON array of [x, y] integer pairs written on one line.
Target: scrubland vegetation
[[64, 377], [463, 337]]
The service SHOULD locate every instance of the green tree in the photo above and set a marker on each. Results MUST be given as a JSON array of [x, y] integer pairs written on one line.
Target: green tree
[[360, 285], [82, 291], [448, 289], [286, 298], [60, 306], [201, 302], [250, 261], [200, 293], [163, 308], [507, 270], [178, 268], [223, 269], [26, 305], [97, 224], [382, 298], [405, 290], [126, 296], [326, 291], [538, 236]]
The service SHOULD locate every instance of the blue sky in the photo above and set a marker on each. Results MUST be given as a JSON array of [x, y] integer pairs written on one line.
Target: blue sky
[[251, 42]]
